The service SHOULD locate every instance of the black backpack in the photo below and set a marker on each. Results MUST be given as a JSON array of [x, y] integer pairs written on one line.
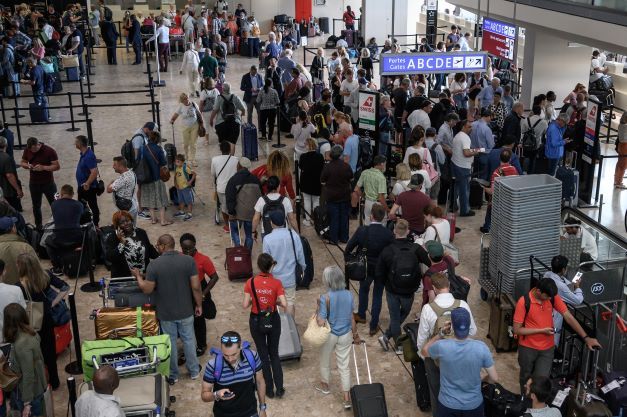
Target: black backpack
[[228, 108], [529, 140], [331, 42], [108, 14], [128, 152], [364, 160], [270, 207], [404, 274]]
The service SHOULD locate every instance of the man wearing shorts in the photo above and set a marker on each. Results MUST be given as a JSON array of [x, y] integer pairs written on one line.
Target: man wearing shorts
[[223, 167]]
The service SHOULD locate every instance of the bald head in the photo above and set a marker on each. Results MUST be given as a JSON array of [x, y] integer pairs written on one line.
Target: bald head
[[166, 241], [106, 380]]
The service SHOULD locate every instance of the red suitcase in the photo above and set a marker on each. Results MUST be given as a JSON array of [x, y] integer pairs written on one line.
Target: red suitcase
[[238, 261], [62, 337]]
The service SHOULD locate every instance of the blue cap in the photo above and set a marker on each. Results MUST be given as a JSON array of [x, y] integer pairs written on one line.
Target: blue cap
[[277, 218], [460, 320], [6, 223]]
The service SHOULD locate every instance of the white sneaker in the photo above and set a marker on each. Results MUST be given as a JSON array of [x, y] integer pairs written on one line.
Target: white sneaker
[[306, 223], [187, 217], [179, 214]]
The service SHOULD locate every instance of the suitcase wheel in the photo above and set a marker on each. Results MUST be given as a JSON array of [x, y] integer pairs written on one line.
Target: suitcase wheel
[[172, 399], [170, 413]]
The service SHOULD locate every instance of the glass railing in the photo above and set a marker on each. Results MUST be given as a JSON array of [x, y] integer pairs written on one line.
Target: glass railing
[[609, 11]]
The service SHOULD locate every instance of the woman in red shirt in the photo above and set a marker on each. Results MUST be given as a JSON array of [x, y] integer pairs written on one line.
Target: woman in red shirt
[[278, 164], [265, 323]]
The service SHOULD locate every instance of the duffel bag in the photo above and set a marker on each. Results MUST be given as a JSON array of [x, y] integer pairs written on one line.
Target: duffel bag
[[118, 322], [96, 348], [69, 61], [499, 402]]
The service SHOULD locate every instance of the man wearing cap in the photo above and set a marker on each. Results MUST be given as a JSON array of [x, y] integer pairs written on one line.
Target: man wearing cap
[[460, 362], [11, 246], [252, 83], [442, 305], [242, 192], [139, 140], [412, 203], [420, 116], [285, 246]]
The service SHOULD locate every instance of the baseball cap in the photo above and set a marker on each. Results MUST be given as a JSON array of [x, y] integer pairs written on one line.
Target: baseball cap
[[277, 218], [6, 223], [431, 131], [435, 249], [151, 126], [244, 162], [460, 320], [416, 181]]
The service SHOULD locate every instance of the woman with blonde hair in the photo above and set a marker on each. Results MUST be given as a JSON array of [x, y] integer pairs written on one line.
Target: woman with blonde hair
[[403, 175], [278, 164], [191, 121], [415, 165], [36, 286], [365, 63]]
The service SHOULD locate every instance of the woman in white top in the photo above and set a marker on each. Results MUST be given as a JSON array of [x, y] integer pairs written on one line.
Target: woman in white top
[[302, 130], [403, 175], [417, 145], [189, 67], [438, 228], [415, 166], [208, 96], [188, 23], [458, 90], [188, 111]]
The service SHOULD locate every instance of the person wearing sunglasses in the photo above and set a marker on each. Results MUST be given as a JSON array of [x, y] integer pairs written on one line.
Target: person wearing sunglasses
[[230, 378], [265, 323]]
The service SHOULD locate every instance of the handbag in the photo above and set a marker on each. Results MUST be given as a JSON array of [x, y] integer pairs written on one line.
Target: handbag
[[264, 317], [356, 264], [9, 379], [202, 132], [164, 172], [34, 310], [433, 173], [314, 334], [124, 203], [449, 249]]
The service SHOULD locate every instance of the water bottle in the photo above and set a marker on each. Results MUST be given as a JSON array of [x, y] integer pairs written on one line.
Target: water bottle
[[158, 411]]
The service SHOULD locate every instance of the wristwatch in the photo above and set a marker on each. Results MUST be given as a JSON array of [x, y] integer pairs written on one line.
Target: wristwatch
[[263, 407]]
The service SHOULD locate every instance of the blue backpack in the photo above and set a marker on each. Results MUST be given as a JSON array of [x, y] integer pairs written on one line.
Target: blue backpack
[[219, 364]]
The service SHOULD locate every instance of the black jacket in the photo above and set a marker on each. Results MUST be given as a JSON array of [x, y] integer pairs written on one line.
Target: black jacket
[[374, 238], [119, 266], [386, 262], [512, 127], [109, 33], [310, 164]]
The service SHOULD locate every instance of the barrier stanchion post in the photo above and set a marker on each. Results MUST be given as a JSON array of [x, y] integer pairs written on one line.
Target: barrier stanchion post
[[158, 105], [278, 144], [17, 128], [298, 211], [90, 134], [92, 285], [82, 100], [4, 116], [73, 128], [71, 388], [76, 367], [152, 110], [17, 113], [607, 136], [599, 175]]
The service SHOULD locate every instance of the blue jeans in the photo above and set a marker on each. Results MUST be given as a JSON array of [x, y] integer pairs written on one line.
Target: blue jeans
[[443, 411], [462, 187], [439, 81], [338, 221], [248, 231], [553, 166], [399, 307], [36, 405], [384, 139], [137, 48], [377, 300], [185, 329], [488, 217]]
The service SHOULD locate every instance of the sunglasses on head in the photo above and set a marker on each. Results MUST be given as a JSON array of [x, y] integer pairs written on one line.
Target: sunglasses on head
[[229, 339]]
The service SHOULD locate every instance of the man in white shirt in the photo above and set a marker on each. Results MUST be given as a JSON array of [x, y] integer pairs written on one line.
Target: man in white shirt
[[100, 402], [573, 230], [420, 116], [597, 68], [223, 167], [273, 184], [442, 305], [163, 40], [347, 88], [8, 294], [462, 159], [464, 42]]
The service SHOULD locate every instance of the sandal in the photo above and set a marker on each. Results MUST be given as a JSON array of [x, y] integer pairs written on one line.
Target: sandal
[[154, 221], [166, 224]]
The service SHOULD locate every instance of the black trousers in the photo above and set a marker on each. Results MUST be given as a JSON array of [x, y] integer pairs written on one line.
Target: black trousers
[[268, 350], [137, 48], [36, 193], [267, 118], [48, 351], [92, 200], [200, 330], [111, 54]]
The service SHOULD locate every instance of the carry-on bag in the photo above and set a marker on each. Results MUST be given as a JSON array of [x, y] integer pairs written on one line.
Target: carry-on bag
[[583, 400], [289, 343], [614, 392], [143, 354], [118, 322], [500, 330], [238, 261], [72, 74], [250, 145], [120, 285], [368, 399], [475, 200], [62, 337], [69, 61], [349, 37], [38, 112], [308, 274], [419, 373], [499, 402]]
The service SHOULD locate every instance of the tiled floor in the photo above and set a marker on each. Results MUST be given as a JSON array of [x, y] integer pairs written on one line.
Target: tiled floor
[[112, 125]]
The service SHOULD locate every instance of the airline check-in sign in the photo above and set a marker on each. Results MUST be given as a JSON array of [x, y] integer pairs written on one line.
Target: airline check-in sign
[[431, 62]]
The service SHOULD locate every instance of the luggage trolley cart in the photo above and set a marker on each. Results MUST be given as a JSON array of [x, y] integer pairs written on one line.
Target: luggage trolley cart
[[142, 391]]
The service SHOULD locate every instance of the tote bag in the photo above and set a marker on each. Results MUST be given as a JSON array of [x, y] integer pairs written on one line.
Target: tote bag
[[35, 311]]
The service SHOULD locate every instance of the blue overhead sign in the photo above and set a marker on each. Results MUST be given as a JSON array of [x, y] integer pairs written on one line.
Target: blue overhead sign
[[430, 62]]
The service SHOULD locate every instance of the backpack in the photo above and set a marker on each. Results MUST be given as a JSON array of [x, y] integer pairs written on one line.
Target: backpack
[[321, 142], [458, 288], [528, 305], [228, 108], [49, 83], [405, 271], [269, 207], [443, 325], [331, 42], [219, 363], [207, 104], [529, 140], [188, 176], [431, 171], [364, 158], [318, 112], [108, 14], [128, 152]]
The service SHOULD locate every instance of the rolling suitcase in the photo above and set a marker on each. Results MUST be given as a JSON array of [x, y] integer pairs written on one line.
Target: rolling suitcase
[[244, 47], [72, 74], [62, 337], [368, 399], [569, 176], [57, 84], [349, 37], [500, 330], [170, 153], [38, 112], [121, 285], [615, 396], [137, 299], [250, 146], [289, 343], [419, 373], [583, 401], [323, 22], [317, 91], [475, 200], [118, 322], [238, 261]]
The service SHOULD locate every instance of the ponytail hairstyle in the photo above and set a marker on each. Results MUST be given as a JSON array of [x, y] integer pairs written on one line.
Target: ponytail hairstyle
[[302, 116], [267, 84]]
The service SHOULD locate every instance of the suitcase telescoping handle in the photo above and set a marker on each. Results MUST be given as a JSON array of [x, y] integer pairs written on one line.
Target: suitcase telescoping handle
[[132, 368], [367, 363], [587, 381]]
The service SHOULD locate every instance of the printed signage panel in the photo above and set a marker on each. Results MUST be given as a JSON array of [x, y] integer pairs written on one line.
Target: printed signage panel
[[368, 111], [432, 62], [499, 39]]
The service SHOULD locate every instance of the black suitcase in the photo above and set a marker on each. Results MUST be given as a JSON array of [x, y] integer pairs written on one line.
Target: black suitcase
[[170, 153], [476, 195], [349, 37], [368, 399], [419, 372], [244, 48], [499, 402], [38, 112], [308, 273], [616, 398], [137, 299]]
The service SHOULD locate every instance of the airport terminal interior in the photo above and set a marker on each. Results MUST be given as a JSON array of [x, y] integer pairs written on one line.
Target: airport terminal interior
[[573, 48]]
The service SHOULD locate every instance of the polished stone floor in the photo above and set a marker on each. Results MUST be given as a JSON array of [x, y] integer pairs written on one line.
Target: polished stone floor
[[111, 126]]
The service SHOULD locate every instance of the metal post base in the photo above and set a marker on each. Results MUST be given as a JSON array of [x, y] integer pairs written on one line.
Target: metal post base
[[156, 83], [278, 145], [19, 116], [72, 129], [91, 287], [74, 368]]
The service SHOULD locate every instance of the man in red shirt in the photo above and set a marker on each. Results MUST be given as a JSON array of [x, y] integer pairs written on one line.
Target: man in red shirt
[[412, 203], [349, 18], [535, 330], [208, 277], [504, 170]]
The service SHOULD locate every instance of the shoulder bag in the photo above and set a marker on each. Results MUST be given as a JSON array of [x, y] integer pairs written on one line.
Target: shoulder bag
[[34, 310], [318, 335], [356, 264], [215, 179], [9, 379], [164, 172], [449, 248], [124, 203], [202, 132], [264, 317]]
